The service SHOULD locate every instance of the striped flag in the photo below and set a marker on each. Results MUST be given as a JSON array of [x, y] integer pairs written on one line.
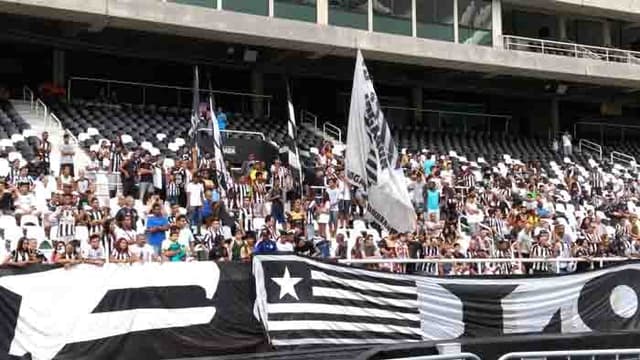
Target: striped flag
[[305, 302], [371, 157], [193, 131], [292, 131], [224, 180]]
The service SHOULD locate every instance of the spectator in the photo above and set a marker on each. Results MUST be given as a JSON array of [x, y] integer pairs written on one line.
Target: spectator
[[172, 250], [145, 174], [95, 253], [121, 253], [70, 257], [195, 192], [143, 252], [125, 230], [20, 255], [157, 225], [67, 153]]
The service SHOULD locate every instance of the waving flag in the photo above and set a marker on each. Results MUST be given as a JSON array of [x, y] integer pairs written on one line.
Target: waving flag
[[224, 180], [371, 157], [193, 131]]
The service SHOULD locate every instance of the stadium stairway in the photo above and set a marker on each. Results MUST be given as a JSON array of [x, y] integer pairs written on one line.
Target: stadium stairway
[[39, 124]]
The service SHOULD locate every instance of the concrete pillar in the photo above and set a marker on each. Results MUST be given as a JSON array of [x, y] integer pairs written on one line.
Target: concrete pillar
[[496, 23], [562, 28], [606, 33], [322, 12], [58, 74], [257, 87], [416, 102], [555, 116]]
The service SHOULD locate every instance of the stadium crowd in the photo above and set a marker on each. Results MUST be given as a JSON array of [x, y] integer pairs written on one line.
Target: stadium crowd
[[186, 210]]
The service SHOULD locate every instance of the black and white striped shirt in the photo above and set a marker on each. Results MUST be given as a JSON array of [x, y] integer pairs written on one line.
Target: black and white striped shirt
[[22, 180], [541, 252], [67, 222], [497, 225], [121, 255], [246, 218], [597, 180], [240, 192], [258, 193], [311, 212], [209, 239], [95, 215], [115, 161], [469, 180], [173, 190]]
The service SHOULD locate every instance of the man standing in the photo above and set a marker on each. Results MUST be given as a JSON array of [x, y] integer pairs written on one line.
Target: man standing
[[145, 173], [67, 152], [567, 147], [44, 149], [195, 196], [157, 225]]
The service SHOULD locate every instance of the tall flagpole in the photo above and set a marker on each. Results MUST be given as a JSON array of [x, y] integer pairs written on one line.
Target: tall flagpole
[[293, 134]]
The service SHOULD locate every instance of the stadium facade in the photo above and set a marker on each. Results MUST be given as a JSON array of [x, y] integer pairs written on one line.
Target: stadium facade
[[542, 65]]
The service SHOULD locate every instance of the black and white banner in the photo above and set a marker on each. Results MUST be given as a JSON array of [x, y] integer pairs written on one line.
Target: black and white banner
[[150, 311], [371, 157], [303, 302], [178, 310]]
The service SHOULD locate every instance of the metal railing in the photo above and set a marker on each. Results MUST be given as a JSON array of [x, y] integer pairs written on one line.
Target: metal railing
[[108, 83], [618, 157], [244, 132], [307, 117], [328, 129], [27, 94], [480, 262], [467, 118], [57, 122], [590, 146], [624, 129], [41, 109], [568, 49], [457, 356], [568, 354]]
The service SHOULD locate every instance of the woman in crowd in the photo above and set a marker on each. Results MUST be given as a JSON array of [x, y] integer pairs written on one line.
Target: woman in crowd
[[121, 254], [19, 256], [70, 257]]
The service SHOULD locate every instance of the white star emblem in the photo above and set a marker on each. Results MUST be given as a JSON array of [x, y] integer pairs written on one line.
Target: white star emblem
[[287, 284]]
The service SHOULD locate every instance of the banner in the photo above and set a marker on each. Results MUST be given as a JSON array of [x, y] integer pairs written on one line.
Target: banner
[[303, 302], [151, 311], [180, 310], [371, 157]]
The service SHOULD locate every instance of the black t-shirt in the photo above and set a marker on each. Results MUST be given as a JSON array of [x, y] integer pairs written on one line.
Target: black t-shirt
[[6, 201], [146, 177]]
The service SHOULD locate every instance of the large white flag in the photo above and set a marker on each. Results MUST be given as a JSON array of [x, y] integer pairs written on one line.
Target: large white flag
[[224, 180], [292, 131], [371, 157]]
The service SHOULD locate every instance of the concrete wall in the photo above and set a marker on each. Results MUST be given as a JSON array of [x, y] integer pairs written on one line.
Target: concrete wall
[[157, 16]]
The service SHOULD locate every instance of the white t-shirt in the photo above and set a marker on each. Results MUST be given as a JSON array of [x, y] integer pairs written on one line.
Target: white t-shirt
[[25, 202], [144, 253], [345, 191], [129, 235], [195, 191], [334, 196], [284, 247], [566, 140], [157, 177]]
